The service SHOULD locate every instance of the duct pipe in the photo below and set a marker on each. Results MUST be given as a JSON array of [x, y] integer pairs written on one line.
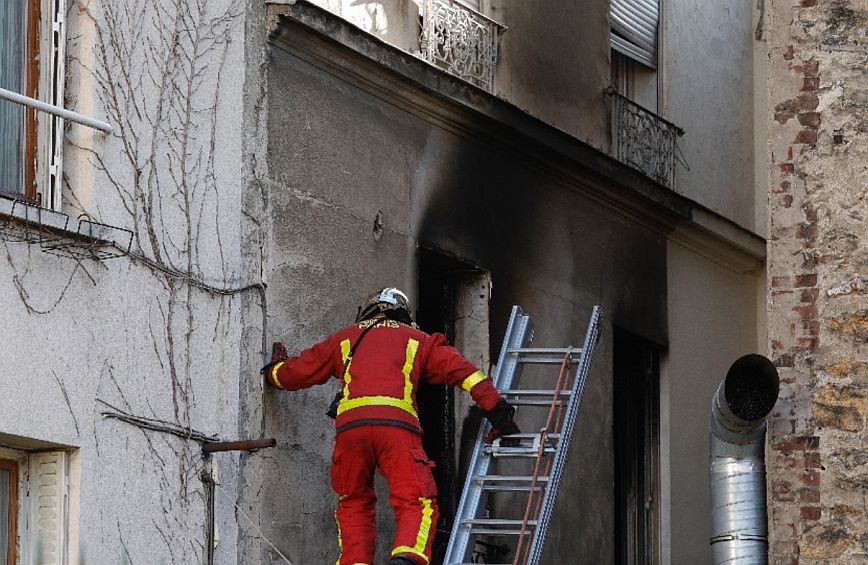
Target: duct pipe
[[739, 524]]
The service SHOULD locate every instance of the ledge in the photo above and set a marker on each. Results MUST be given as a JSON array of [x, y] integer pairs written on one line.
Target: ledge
[[338, 47]]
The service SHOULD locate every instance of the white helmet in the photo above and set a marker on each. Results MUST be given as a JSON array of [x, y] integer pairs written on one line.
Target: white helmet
[[385, 300]]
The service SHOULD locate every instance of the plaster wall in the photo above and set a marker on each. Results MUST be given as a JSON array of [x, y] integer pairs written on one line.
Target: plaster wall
[[131, 334], [707, 70], [556, 68], [341, 159], [393, 21], [565, 91], [715, 309]]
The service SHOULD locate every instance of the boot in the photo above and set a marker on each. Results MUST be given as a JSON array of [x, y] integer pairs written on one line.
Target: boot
[[402, 560]]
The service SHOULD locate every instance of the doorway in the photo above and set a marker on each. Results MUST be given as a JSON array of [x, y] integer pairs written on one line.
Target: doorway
[[637, 449], [453, 300]]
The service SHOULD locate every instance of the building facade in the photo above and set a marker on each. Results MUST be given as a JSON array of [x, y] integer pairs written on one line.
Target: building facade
[[270, 163], [817, 257]]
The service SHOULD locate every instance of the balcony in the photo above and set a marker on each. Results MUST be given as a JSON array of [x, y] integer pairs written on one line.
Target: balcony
[[461, 41], [643, 140]]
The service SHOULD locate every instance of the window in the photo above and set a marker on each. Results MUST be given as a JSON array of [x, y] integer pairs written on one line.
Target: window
[[8, 510], [637, 447], [18, 72], [32, 38], [634, 29], [34, 507]]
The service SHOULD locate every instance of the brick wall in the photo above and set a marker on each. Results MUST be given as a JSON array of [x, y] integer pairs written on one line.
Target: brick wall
[[818, 273]]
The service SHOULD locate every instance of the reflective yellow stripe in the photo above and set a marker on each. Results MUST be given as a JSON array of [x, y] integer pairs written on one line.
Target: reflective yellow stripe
[[422, 536], [376, 401], [345, 353], [412, 347], [273, 374], [473, 380], [405, 403], [340, 538]]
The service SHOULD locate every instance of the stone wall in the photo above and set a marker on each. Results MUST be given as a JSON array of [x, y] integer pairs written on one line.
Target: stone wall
[[818, 104]]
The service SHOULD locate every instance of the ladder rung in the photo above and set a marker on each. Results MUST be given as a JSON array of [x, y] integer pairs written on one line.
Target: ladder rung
[[493, 488], [544, 350], [517, 451], [492, 532], [547, 393], [509, 478], [531, 436], [496, 522], [546, 403], [545, 356]]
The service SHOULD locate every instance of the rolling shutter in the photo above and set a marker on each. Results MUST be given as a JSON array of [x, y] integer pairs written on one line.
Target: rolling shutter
[[634, 29]]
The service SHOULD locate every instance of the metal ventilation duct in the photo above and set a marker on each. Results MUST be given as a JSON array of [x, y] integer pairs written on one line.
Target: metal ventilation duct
[[739, 525]]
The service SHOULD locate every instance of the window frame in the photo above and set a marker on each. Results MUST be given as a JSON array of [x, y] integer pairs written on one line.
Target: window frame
[[31, 135], [11, 466]]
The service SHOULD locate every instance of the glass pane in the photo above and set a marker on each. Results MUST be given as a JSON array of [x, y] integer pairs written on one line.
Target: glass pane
[[13, 75], [4, 515]]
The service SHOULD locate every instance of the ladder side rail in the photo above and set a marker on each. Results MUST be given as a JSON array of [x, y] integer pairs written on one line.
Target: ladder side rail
[[519, 332], [569, 422], [553, 424]]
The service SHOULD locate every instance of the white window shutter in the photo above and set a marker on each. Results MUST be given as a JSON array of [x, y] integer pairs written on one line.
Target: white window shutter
[[634, 29], [48, 504]]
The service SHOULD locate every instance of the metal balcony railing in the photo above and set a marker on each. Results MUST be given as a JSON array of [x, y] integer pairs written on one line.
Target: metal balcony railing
[[643, 140], [460, 41]]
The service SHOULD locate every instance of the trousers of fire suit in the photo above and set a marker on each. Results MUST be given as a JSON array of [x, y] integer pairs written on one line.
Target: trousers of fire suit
[[377, 426], [398, 454]]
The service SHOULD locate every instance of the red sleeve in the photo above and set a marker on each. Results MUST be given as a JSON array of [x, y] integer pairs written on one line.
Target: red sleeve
[[311, 367], [446, 365]]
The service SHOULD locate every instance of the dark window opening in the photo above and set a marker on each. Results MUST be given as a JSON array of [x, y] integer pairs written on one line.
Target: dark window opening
[[442, 280], [636, 438], [437, 402]]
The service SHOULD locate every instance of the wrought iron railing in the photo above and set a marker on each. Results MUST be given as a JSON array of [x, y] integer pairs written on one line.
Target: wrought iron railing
[[644, 140], [460, 41]]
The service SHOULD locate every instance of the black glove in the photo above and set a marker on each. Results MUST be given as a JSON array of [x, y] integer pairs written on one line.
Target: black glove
[[502, 423]]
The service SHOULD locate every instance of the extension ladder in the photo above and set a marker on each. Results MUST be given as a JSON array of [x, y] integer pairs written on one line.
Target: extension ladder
[[547, 449]]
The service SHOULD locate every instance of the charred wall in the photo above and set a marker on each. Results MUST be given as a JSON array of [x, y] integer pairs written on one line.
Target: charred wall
[[364, 167]]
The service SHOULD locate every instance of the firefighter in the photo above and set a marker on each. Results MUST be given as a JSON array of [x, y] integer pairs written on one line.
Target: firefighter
[[381, 359]]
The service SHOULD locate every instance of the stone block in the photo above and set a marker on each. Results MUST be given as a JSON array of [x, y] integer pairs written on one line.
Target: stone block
[[826, 542], [850, 368], [841, 408], [853, 325]]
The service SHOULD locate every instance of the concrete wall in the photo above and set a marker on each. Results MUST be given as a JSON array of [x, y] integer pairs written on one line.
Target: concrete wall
[[817, 115], [713, 311], [338, 154], [707, 86], [131, 331]]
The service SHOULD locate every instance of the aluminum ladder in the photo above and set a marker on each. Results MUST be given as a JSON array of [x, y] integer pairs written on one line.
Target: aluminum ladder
[[548, 446]]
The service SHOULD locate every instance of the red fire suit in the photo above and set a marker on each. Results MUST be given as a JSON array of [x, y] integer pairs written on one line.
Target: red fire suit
[[377, 427]]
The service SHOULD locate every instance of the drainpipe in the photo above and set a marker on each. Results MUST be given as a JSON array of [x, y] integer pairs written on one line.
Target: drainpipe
[[739, 521]]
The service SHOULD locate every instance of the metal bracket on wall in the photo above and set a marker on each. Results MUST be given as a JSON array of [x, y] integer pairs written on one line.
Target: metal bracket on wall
[[24, 222]]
